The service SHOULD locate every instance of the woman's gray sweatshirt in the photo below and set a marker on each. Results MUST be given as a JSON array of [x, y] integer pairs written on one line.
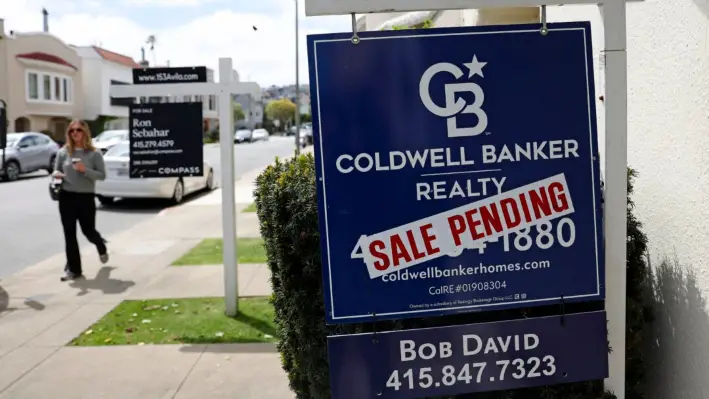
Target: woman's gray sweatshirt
[[74, 180]]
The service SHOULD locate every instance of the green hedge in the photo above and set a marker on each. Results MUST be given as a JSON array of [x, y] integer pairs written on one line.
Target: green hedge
[[287, 209]]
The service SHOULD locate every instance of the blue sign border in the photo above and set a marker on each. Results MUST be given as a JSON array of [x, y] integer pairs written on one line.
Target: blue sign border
[[313, 40]]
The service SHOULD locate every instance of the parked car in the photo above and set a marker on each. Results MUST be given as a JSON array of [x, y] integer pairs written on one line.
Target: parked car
[[307, 132], [243, 136], [26, 153], [260, 134], [118, 184], [109, 138]]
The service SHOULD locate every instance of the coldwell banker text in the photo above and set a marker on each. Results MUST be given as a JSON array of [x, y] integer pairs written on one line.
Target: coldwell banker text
[[449, 157]]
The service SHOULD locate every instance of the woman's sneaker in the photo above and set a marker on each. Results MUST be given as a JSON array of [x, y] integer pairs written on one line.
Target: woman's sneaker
[[70, 276], [103, 257]]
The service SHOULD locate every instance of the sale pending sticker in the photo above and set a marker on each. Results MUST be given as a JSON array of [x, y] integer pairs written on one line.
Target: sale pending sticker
[[464, 179]]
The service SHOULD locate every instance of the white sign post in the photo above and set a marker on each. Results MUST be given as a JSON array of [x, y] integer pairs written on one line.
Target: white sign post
[[224, 90], [616, 143]]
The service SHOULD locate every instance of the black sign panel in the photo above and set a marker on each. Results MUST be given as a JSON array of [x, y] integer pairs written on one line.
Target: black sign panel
[[166, 140], [142, 76]]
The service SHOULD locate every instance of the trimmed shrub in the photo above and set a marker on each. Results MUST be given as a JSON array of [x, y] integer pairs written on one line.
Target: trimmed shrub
[[286, 204]]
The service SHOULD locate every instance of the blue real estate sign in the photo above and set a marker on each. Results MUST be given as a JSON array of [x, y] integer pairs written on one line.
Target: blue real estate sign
[[442, 361], [457, 170]]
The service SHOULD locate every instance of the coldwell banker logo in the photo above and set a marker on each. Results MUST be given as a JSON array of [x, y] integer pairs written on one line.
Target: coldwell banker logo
[[455, 107]]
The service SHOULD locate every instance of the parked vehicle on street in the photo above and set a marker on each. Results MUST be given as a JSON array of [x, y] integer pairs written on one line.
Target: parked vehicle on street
[[308, 132], [118, 184], [260, 134], [26, 153], [243, 136], [109, 138]]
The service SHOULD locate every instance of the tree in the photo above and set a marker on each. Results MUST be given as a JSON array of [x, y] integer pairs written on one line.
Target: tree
[[282, 110], [238, 112]]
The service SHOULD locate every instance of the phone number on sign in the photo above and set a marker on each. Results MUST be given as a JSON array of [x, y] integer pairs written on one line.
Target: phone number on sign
[[154, 144], [469, 373]]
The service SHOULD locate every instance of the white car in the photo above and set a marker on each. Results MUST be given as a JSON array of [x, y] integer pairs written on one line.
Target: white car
[[109, 138], [242, 136], [119, 185], [259, 134]]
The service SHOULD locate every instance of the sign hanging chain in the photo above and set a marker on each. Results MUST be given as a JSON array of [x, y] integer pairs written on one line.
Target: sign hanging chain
[[544, 30]]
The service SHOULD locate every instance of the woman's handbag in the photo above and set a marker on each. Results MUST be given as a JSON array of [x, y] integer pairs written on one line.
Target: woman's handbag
[[55, 187]]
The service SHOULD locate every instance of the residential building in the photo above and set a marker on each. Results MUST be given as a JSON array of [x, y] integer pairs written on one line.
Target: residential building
[[41, 81], [102, 68], [253, 111], [668, 145]]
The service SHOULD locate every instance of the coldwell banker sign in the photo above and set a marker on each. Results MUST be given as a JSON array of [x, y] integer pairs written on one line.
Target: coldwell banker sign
[[457, 170], [166, 140]]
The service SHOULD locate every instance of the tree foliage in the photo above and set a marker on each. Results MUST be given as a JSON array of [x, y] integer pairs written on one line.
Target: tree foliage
[[281, 110], [238, 112]]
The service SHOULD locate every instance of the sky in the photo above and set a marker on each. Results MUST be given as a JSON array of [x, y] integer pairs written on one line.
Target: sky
[[188, 32]]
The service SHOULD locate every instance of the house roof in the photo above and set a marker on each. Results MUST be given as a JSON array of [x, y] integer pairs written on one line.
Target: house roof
[[39, 56], [117, 58]]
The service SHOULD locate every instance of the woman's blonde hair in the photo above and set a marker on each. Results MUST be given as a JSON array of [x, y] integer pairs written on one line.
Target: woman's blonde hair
[[86, 144]]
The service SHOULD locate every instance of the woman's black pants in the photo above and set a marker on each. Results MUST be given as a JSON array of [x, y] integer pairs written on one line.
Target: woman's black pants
[[78, 207]]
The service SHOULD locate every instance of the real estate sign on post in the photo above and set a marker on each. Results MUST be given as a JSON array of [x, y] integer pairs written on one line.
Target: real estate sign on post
[[165, 140], [457, 170]]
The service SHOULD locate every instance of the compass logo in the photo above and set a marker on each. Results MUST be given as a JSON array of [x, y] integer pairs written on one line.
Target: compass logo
[[452, 106]]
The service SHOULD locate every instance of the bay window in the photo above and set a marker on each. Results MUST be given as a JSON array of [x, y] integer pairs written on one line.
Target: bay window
[[48, 87]]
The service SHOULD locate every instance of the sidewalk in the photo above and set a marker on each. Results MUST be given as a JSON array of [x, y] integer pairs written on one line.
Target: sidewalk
[[44, 314]]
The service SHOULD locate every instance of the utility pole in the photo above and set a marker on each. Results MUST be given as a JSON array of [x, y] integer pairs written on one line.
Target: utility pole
[[297, 85]]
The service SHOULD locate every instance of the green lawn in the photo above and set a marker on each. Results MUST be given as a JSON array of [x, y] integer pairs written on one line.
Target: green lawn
[[250, 208], [175, 321], [209, 252]]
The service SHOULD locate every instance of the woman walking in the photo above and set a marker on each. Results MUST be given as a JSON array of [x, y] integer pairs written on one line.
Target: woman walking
[[79, 165]]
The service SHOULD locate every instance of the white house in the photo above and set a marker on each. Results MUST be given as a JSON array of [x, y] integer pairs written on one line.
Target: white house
[[101, 68], [668, 145]]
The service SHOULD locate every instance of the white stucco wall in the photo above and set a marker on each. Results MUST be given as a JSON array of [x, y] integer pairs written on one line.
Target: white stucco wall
[[97, 75], [112, 71], [668, 144]]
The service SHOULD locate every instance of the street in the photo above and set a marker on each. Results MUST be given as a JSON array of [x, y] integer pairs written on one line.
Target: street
[[31, 229]]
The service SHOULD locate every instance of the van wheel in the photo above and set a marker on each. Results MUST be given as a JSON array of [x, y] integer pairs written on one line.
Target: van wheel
[[210, 181], [179, 194]]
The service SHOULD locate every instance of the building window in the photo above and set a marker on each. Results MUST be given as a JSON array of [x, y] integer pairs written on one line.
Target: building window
[[66, 87], [212, 102], [48, 87], [57, 89], [33, 86], [120, 102]]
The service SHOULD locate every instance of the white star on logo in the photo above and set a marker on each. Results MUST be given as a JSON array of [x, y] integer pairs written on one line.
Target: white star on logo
[[475, 66]]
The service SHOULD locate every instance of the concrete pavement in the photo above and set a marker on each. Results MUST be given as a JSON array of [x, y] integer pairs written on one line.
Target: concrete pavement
[[39, 315]]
